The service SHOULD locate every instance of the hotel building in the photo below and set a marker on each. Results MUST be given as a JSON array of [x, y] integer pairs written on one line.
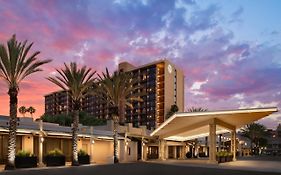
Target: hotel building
[[161, 82]]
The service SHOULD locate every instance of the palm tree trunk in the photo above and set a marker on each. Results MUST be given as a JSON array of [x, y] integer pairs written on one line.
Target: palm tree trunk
[[75, 118], [115, 139], [121, 112], [13, 93]]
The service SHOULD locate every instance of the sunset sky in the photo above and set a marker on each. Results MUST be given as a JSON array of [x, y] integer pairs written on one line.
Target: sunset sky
[[230, 51]]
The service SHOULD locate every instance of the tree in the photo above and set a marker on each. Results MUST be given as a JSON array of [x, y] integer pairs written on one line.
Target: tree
[[116, 90], [31, 110], [199, 109], [16, 63], [173, 109], [256, 133], [65, 119], [77, 81], [22, 110]]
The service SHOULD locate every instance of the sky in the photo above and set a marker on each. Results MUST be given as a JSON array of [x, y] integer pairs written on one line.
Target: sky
[[230, 51]]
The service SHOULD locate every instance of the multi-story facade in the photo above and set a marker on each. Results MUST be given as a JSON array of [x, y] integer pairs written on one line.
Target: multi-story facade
[[58, 103], [161, 82], [273, 142]]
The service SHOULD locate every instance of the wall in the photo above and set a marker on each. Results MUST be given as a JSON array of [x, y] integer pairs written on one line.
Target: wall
[[128, 153], [103, 151], [27, 143]]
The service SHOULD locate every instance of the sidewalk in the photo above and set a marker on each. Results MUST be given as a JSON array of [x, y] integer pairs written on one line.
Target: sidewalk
[[250, 165]]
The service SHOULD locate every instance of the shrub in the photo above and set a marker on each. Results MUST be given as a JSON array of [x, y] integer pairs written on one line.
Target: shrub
[[55, 152], [23, 153], [82, 153]]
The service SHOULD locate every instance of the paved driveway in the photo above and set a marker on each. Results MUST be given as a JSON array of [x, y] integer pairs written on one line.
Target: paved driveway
[[134, 169]]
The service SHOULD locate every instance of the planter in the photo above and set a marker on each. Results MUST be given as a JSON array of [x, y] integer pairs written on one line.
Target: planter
[[221, 159], [84, 159], [55, 160], [229, 158], [25, 162]]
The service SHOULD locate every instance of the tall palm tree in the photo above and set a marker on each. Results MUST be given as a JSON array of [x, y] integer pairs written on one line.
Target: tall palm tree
[[116, 90], [22, 110], [31, 110], [199, 109], [255, 132], [16, 63], [77, 81]]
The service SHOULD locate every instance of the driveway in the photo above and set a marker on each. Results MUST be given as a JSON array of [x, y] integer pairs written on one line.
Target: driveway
[[134, 169]]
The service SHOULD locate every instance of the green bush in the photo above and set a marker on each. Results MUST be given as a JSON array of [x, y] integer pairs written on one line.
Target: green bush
[[82, 153], [22, 153], [55, 152], [223, 154]]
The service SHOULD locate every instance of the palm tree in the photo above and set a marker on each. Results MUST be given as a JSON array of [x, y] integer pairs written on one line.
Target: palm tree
[[255, 132], [31, 110], [15, 65], [116, 90], [22, 110], [199, 109], [77, 81], [174, 108]]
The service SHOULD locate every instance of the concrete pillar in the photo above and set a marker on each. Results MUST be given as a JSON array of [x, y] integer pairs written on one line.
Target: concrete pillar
[[126, 147], [161, 149], [41, 140], [220, 142], [212, 143], [175, 151], [233, 144], [92, 141], [142, 149]]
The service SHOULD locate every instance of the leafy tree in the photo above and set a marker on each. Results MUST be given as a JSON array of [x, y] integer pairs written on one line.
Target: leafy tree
[[256, 133], [31, 110], [199, 109], [77, 81], [173, 109], [116, 90], [22, 110], [16, 63], [65, 119]]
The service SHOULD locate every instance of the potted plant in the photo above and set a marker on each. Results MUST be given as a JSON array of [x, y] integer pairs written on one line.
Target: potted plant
[[24, 159], [55, 158], [83, 157]]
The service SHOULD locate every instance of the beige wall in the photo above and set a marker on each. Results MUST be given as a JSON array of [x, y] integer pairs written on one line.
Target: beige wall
[[27, 143], [124, 155], [103, 151], [170, 86], [180, 90]]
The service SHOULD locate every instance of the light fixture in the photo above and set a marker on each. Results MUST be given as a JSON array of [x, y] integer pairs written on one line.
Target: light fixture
[[41, 139], [93, 141]]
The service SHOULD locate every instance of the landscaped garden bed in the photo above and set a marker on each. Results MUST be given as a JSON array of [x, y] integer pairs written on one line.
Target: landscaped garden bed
[[83, 157], [55, 158], [224, 156], [25, 159]]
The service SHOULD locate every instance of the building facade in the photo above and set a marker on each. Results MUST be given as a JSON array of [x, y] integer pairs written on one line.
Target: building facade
[[161, 82]]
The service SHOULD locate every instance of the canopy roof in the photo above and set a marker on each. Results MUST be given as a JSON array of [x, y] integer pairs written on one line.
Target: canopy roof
[[189, 125]]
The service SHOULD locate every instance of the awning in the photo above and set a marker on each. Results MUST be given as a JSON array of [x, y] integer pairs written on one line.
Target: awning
[[190, 125]]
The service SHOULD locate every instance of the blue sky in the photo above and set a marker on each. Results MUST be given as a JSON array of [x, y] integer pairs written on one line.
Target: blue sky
[[230, 51]]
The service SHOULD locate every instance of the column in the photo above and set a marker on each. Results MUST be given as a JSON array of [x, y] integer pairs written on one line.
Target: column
[[41, 140], [126, 147], [233, 144], [92, 141], [142, 149], [175, 152], [220, 142], [161, 150], [212, 143]]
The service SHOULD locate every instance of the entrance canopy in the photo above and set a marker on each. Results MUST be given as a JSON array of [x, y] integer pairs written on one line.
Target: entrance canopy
[[190, 125]]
